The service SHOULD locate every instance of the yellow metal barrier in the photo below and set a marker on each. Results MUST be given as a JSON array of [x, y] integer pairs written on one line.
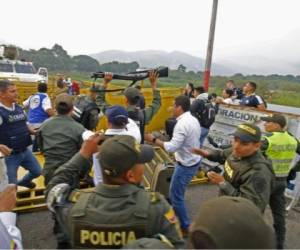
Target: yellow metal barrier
[[113, 98], [34, 199]]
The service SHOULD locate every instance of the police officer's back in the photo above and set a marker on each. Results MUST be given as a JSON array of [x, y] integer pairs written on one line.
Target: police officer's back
[[60, 136], [118, 211]]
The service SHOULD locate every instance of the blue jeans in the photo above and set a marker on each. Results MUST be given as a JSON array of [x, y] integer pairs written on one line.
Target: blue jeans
[[25, 159], [203, 135], [181, 178]]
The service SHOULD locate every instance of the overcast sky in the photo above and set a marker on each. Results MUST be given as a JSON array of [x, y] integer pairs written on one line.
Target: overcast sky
[[91, 26]]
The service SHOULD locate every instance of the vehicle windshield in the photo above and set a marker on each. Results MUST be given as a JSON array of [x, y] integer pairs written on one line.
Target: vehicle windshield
[[25, 69], [6, 67]]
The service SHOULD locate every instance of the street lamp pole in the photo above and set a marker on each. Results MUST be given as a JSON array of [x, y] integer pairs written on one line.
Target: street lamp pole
[[210, 45]]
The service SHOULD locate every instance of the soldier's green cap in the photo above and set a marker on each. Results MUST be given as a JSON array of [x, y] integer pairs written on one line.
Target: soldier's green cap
[[121, 152], [230, 223], [132, 93], [248, 132], [276, 118]]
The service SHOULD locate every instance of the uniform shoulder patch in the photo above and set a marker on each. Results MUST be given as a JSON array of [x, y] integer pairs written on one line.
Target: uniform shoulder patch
[[170, 216], [259, 183]]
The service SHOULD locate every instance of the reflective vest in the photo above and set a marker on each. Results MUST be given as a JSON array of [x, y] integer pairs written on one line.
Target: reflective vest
[[281, 151], [95, 228]]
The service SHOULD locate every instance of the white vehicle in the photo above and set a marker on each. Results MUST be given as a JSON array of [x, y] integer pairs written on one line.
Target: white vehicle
[[20, 70]]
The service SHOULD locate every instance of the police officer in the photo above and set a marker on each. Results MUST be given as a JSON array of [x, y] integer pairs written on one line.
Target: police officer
[[132, 96], [60, 137], [246, 171], [281, 148], [118, 211]]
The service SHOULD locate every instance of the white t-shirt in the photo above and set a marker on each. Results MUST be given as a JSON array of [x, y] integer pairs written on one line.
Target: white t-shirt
[[131, 129]]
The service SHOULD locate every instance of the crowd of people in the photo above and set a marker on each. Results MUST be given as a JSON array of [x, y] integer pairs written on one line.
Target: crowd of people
[[119, 212]]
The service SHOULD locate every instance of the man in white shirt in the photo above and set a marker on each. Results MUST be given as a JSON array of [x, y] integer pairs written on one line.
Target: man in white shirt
[[186, 134], [118, 124]]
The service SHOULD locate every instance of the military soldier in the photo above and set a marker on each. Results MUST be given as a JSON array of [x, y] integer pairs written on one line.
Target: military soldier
[[247, 173], [281, 148], [60, 137], [118, 211]]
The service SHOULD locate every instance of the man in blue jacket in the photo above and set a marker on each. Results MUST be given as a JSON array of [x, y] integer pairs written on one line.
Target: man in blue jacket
[[15, 134]]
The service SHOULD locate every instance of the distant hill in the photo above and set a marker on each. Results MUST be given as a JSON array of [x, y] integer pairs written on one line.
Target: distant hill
[[155, 58]]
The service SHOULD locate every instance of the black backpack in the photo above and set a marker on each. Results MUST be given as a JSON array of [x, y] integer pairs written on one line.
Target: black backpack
[[86, 112], [205, 112], [138, 116]]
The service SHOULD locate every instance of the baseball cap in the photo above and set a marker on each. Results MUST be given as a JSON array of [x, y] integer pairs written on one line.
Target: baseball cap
[[117, 115], [121, 152], [276, 118], [231, 223], [248, 132], [132, 93], [64, 98]]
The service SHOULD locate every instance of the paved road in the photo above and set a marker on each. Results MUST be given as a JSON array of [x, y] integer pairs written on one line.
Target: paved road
[[37, 227]]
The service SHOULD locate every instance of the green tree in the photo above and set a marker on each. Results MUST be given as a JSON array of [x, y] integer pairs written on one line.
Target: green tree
[[181, 68], [84, 63]]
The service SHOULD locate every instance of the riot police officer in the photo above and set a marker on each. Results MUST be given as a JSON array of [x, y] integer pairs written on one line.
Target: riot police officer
[[118, 211]]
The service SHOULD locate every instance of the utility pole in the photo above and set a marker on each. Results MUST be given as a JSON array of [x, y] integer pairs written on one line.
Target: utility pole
[[210, 45]]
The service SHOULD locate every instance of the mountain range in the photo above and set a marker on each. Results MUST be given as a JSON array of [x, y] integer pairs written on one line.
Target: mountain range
[[246, 63], [261, 59], [155, 58]]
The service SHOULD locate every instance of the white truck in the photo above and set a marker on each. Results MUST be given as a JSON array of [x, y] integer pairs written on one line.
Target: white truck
[[19, 70]]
